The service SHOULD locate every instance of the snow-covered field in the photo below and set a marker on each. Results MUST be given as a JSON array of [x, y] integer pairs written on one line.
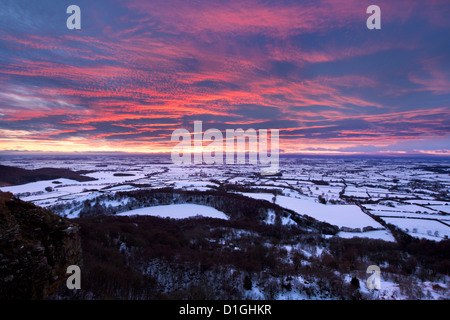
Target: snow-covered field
[[428, 229], [388, 188], [375, 234], [177, 211], [349, 215], [39, 186], [343, 216], [360, 196]]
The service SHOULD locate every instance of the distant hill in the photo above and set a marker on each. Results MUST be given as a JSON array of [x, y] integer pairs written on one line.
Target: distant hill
[[14, 176]]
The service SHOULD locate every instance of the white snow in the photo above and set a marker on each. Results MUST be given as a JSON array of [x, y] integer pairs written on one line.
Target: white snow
[[37, 186], [443, 208], [421, 228], [178, 211], [286, 221], [339, 215], [375, 234], [270, 217]]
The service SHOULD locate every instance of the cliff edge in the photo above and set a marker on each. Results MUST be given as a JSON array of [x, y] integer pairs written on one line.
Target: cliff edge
[[36, 247]]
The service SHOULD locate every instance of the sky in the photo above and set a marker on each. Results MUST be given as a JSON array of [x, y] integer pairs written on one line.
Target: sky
[[138, 70]]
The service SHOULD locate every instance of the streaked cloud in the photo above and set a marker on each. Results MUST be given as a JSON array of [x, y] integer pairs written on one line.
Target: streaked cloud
[[139, 69]]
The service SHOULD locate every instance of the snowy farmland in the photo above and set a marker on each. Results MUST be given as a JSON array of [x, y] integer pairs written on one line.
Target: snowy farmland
[[411, 194], [421, 228], [321, 221], [347, 215], [177, 211]]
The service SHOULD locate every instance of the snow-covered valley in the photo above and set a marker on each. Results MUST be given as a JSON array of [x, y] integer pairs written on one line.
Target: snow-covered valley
[[336, 199]]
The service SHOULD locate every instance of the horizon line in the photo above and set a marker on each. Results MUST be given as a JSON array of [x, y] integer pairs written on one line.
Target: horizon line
[[345, 154]]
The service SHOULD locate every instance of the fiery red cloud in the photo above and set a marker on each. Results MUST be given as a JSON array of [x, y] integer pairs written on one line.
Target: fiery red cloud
[[137, 71]]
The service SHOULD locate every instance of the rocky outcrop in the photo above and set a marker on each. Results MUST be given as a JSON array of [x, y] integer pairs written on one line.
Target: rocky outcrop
[[36, 247]]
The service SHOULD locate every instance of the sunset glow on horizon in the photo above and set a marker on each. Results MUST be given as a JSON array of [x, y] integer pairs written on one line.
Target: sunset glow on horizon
[[138, 70]]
